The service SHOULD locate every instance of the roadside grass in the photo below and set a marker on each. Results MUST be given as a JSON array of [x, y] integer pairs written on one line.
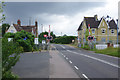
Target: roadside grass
[[108, 51]]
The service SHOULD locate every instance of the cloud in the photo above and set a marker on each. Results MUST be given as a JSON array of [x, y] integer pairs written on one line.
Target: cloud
[[63, 17], [54, 0]]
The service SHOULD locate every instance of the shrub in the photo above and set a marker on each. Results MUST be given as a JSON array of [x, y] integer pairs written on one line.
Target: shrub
[[10, 55], [23, 38], [64, 39]]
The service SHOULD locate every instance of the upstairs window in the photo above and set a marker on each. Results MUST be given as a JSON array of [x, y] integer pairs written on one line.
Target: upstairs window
[[103, 31], [112, 31]]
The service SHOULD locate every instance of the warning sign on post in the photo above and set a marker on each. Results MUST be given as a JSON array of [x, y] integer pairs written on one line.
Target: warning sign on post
[[36, 41]]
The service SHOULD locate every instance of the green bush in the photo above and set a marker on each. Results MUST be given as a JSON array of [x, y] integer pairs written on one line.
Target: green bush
[[64, 39], [25, 39], [10, 55], [10, 76]]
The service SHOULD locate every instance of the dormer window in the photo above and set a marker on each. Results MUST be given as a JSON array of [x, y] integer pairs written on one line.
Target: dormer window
[[112, 31], [103, 31]]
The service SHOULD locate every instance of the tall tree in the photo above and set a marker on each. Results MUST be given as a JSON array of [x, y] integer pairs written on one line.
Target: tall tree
[[4, 28]]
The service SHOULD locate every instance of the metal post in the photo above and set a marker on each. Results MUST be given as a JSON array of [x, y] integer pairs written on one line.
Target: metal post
[[108, 35], [117, 31]]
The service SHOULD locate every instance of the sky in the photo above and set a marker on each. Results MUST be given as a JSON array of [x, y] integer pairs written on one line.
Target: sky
[[63, 17]]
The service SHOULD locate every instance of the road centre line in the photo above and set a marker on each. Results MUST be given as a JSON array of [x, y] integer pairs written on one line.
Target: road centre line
[[66, 58], [85, 76], [103, 61], [76, 67], [70, 61], [62, 46]]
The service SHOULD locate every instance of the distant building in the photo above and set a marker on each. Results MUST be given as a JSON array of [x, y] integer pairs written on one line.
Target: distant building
[[102, 30], [17, 27]]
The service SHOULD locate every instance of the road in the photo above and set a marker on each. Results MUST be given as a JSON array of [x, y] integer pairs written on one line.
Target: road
[[64, 61], [32, 65], [88, 64]]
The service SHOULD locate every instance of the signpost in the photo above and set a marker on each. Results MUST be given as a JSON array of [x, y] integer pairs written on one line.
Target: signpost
[[90, 39], [36, 41], [45, 35], [9, 39]]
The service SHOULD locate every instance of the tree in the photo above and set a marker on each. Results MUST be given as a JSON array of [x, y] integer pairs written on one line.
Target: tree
[[1, 11], [25, 39], [41, 36], [64, 39], [4, 28], [10, 55], [64, 35], [86, 34]]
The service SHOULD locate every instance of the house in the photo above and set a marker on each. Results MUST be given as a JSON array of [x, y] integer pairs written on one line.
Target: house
[[102, 30], [17, 27]]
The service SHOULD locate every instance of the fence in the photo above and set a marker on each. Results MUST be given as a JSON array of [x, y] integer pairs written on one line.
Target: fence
[[101, 46]]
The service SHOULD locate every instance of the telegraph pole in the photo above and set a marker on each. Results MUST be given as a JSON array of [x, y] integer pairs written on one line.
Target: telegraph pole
[[41, 28], [30, 20], [49, 39]]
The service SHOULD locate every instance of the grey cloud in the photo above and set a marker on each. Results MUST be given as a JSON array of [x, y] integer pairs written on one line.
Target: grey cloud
[[24, 10]]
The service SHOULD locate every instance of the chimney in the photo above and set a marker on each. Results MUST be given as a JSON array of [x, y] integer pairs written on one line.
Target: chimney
[[19, 22], [96, 17]]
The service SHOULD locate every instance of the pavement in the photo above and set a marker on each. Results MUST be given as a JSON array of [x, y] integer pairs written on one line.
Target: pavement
[[59, 68]]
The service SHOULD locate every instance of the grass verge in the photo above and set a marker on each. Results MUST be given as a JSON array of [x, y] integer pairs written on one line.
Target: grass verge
[[108, 51]]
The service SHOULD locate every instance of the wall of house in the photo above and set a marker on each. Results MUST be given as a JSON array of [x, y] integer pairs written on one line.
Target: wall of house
[[11, 29], [84, 28], [102, 37], [113, 37]]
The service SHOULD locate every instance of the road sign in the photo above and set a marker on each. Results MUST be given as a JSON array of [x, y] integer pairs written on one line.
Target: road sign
[[45, 35], [36, 41], [90, 38], [9, 39], [49, 38], [43, 42]]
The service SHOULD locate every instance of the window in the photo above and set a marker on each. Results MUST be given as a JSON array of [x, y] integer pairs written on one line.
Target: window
[[112, 31], [103, 39], [12, 31], [93, 31], [103, 31], [103, 23]]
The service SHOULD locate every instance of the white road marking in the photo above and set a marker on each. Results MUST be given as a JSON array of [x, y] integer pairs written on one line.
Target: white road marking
[[103, 61], [70, 61], [76, 67], [108, 56], [85, 76], [66, 58], [62, 46], [64, 55]]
